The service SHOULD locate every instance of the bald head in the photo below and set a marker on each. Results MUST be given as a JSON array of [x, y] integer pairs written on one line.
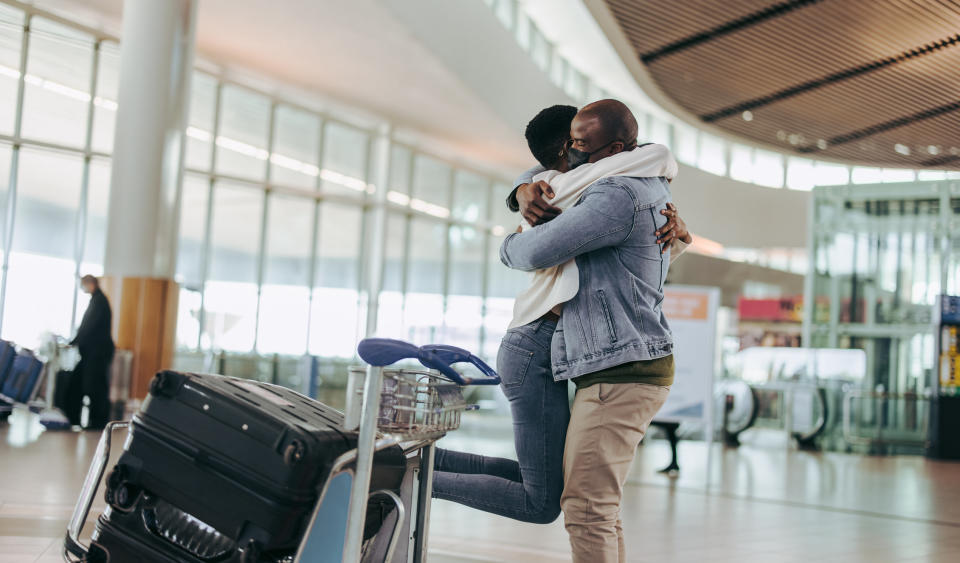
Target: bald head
[[604, 128], [614, 117]]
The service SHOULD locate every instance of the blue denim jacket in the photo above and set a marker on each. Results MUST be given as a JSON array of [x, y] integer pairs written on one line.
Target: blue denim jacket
[[616, 316]]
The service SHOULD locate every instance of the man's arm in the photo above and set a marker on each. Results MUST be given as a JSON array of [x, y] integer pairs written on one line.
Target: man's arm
[[604, 217], [530, 198]]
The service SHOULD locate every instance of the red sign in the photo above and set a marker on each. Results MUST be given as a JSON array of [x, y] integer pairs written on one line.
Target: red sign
[[787, 309]]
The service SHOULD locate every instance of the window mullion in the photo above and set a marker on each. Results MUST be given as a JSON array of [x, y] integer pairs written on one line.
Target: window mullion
[[208, 227], [83, 212]]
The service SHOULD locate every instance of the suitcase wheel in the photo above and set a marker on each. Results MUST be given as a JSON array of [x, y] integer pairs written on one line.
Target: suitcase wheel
[[294, 452], [119, 493]]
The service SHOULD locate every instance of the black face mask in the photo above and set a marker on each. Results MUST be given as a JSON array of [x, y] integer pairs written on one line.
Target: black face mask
[[577, 157]]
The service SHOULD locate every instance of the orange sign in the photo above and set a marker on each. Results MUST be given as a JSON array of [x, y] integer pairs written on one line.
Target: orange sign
[[683, 305]]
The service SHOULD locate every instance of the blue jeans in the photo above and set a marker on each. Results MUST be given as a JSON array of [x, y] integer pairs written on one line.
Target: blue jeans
[[528, 489]]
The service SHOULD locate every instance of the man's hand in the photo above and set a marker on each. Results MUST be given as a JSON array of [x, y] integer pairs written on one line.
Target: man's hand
[[533, 204], [675, 229]]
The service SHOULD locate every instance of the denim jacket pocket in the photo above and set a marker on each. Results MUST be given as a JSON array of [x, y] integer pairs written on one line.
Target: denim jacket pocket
[[512, 364], [605, 311]]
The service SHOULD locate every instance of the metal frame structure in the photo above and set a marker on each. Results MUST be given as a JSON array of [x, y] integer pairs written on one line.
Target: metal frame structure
[[886, 409]]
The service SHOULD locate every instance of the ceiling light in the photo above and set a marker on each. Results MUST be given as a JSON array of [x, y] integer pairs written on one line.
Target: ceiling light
[[902, 149], [822, 144], [747, 115], [781, 135], [933, 149], [398, 197], [794, 139]]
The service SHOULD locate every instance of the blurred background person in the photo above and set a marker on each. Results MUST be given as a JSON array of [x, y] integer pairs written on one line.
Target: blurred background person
[[95, 344]]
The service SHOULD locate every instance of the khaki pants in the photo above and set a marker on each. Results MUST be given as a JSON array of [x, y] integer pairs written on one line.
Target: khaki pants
[[606, 425]]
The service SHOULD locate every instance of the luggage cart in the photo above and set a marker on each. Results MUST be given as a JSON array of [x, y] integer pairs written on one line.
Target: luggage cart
[[412, 408]]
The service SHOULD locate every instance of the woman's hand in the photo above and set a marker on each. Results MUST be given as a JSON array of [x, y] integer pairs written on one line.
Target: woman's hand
[[675, 229]]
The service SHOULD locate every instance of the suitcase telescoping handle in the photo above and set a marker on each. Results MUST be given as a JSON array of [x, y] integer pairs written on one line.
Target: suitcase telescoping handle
[[71, 545], [386, 351]]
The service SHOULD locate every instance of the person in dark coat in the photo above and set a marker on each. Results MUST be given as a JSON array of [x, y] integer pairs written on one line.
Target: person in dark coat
[[95, 344]]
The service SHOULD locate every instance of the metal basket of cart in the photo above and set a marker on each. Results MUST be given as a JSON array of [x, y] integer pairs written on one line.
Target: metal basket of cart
[[389, 406], [414, 403]]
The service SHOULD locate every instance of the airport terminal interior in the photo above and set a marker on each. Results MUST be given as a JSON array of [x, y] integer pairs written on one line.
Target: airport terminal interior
[[252, 188]]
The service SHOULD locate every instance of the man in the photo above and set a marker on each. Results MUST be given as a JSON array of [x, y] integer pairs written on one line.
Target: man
[[95, 343], [612, 339]]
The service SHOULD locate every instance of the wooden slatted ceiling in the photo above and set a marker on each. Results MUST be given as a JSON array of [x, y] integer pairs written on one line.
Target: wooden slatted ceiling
[[848, 79]]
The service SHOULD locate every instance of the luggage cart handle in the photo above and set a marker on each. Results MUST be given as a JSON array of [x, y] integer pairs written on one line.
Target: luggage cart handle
[[72, 546], [386, 351], [442, 356]]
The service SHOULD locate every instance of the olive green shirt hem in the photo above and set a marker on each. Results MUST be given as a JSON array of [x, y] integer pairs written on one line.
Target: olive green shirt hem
[[652, 372]]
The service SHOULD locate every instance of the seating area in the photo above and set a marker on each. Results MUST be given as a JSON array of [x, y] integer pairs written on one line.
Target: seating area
[[21, 374]]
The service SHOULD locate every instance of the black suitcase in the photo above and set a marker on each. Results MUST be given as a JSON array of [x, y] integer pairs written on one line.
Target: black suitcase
[[244, 457], [156, 531], [68, 395]]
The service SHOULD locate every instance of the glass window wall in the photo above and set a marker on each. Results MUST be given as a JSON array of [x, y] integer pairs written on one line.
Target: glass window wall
[[191, 262], [390, 301], [285, 294], [105, 98], [335, 318], [41, 274], [57, 84], [11, 37], [59, 195], [230, 291], [426, 267], [200, 125], [345, 152], [265, 262], [296, 149], [242, 134]]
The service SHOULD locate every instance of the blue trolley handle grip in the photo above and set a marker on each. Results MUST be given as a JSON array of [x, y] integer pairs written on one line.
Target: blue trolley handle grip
[[386, 351], [441, 357]]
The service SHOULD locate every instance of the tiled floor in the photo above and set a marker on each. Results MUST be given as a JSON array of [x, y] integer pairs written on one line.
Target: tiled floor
[[762, 504]]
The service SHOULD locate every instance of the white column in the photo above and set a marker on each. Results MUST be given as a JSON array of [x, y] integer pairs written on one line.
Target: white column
[[156, 60]]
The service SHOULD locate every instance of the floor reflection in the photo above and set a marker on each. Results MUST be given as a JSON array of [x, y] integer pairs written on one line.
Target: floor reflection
[[760, 503]]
